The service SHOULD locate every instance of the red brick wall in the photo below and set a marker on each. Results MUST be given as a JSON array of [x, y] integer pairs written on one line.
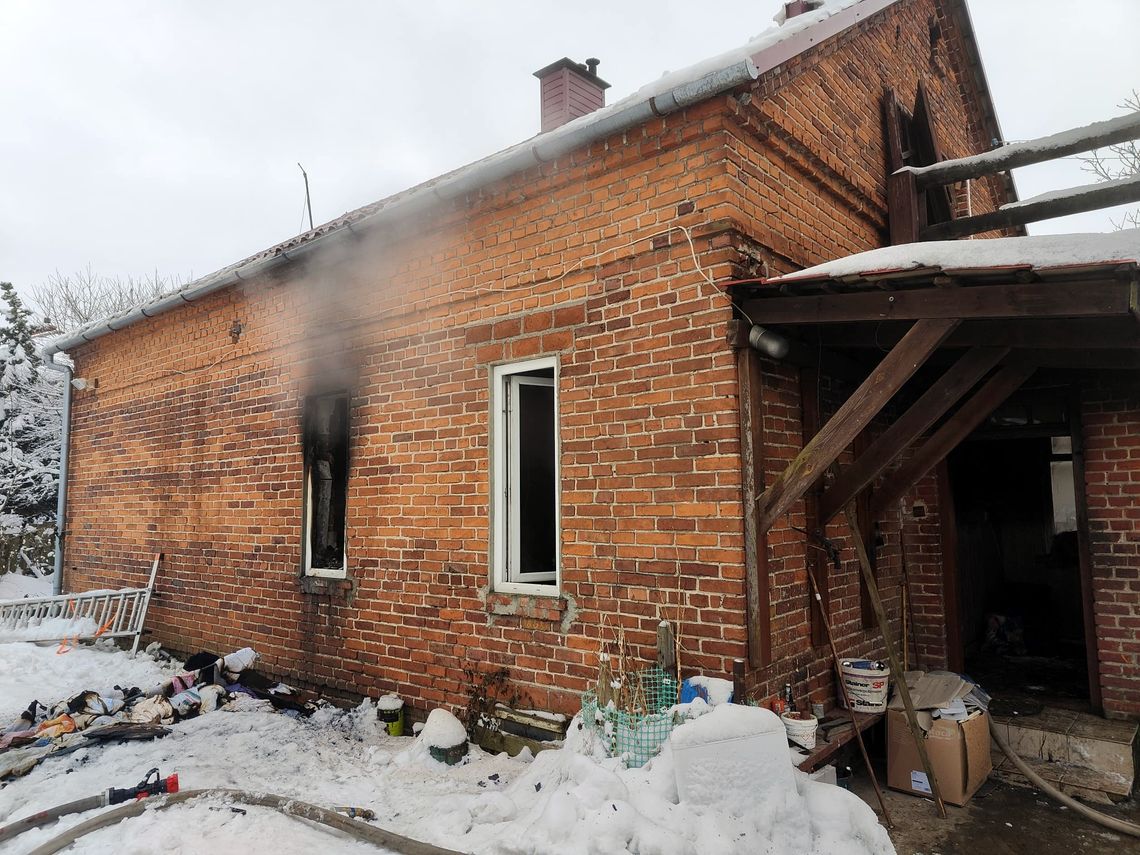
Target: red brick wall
[[191, 442], [1111, 415]]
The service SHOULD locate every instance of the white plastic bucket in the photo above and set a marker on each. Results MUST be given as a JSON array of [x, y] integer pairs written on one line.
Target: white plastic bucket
[[801, 730], [866, 684]]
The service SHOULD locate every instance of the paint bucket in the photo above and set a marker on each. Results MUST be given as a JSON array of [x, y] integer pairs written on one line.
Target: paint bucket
[[866, 683], [390, 710], [801, 728]]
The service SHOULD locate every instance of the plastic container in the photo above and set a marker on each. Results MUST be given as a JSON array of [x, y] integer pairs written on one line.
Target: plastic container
[[866, 683], [801, 728], [390, 710]]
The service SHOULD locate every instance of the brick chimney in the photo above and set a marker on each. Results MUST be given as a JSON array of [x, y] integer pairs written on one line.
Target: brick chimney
[[568, 90], [798, 7]]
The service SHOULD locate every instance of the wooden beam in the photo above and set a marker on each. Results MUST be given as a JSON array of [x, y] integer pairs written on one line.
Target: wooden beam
[[897, 674], [1048, 206], [757, 602], [953, 431], [817, 565], [1092, 360], [970, 368], [1084, 551], [856, 412], [863, 514], [1064, 300], [1097, 135], [951, 591], [1071, 333]]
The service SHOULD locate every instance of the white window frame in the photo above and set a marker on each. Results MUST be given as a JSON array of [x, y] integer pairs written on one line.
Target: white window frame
[[504, 473], [306, 520], [321, 572]]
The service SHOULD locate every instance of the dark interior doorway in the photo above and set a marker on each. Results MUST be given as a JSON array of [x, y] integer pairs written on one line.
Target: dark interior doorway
[[1020, 607]]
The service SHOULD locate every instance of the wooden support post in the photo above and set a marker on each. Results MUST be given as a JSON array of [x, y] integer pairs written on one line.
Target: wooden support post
[[820, 605], [953, 431], [897, 673], [750, 404], [1084, 550], [931, 405], [951, 590], [855, 414]]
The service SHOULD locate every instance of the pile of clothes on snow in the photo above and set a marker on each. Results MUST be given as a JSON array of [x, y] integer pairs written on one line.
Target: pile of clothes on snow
[[209, 683]]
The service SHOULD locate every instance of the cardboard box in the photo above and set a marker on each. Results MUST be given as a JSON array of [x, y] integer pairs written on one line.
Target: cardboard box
[[959, 753]]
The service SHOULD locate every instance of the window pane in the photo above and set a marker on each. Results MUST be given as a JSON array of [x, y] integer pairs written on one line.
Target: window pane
[[1064, 497], [536, 487]]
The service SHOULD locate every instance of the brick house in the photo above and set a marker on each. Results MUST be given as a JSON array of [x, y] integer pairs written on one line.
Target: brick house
[[487, 420]]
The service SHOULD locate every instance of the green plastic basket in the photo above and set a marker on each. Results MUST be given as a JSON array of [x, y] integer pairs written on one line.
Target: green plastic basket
[[635, 736]]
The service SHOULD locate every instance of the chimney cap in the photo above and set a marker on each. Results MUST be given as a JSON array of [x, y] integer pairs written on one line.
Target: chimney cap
[[578, 67]]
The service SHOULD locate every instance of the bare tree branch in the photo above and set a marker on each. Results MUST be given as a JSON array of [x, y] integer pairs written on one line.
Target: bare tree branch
[[1118, 161], [69, 301]]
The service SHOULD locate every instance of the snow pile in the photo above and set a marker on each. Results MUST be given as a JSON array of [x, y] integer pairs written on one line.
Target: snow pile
[[390, 703], [1038, 251], [28, 673], [563, 802], [14, 586], [570, 804], [52, 629], [443, 730]]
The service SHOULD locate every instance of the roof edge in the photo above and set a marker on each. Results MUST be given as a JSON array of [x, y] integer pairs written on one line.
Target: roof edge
[[670, 94]]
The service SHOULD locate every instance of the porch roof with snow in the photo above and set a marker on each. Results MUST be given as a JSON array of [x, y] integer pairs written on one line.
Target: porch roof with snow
[[1013, 304], [1078, 276], [1042, 256]]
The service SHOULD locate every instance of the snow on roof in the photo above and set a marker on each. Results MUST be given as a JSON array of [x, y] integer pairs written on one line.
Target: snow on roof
[[1074, 192], [672, 91], [1037, 252]]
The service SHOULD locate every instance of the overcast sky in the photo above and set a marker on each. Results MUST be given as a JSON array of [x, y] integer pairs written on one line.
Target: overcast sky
[[164, 136]]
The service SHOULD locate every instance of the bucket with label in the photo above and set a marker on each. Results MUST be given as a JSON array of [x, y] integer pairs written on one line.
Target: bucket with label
[[801, 728], [866, 683], [390, 710]]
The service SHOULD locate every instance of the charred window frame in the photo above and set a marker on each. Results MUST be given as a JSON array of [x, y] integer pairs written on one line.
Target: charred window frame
[[525, 478], [325, 442]]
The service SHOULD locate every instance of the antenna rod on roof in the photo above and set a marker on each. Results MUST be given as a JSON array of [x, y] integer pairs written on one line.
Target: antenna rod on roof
[[308, 202]]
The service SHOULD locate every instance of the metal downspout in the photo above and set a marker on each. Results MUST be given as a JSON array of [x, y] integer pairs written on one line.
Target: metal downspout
[[61, 496]]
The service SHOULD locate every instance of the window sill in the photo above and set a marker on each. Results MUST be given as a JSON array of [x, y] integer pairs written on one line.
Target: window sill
[[546, 607], [339, 587]]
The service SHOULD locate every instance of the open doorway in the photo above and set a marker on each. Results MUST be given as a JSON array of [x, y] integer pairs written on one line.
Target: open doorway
[[1019, 584]]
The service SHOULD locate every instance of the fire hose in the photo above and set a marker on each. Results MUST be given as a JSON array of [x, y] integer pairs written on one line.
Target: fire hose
[[151, 785], [154, 793]]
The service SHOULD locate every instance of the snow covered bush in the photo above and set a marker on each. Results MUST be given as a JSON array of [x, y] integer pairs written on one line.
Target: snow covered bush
[[30, 413]]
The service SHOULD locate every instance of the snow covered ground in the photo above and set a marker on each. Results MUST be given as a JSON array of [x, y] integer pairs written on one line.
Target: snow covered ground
[[14, 586], [563, 801]]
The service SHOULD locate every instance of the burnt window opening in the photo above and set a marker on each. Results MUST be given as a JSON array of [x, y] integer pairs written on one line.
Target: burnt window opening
[[325, 442], [525, 481]]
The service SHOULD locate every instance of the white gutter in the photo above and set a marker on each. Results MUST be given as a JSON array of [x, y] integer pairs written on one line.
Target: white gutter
[[671, 93]]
